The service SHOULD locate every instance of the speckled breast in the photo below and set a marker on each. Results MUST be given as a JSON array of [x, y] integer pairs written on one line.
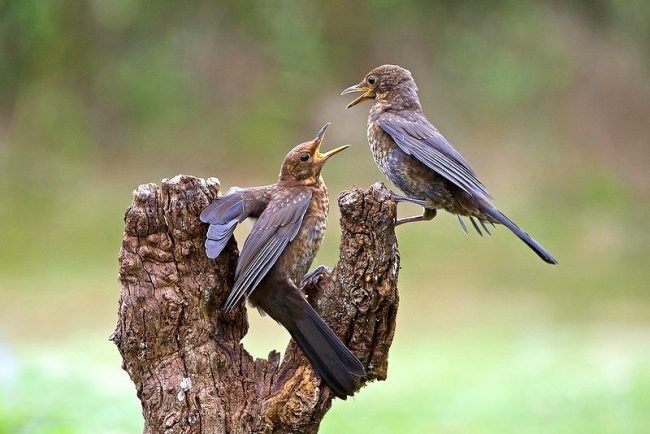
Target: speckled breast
[[407, 173], [380, 146], [390, 159], [310, 237]]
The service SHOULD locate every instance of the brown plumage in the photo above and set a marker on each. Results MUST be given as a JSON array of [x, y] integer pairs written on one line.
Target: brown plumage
[[413, 154], [291, 221]]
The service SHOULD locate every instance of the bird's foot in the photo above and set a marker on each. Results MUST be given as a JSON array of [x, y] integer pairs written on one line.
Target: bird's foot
[[312, 280], [428, 214], [398, 198]]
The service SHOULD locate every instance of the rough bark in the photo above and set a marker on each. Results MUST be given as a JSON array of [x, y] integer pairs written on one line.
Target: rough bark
[[184, 354]]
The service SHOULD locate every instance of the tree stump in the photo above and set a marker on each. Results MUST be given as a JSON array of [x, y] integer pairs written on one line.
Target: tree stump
[[184, 354]]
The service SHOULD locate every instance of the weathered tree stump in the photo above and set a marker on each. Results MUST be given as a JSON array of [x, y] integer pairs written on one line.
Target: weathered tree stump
[[184, 354]]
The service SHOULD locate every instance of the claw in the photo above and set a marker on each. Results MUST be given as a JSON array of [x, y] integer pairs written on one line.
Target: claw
[[462, 224], [404, 220], [313, 278]]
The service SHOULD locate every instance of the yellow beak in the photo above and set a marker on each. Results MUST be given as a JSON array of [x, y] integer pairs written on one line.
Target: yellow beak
[[334, 151], [361, 87], [319, 139]]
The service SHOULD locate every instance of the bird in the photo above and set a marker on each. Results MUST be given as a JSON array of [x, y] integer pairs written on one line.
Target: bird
[[418, 159], [291, 221]]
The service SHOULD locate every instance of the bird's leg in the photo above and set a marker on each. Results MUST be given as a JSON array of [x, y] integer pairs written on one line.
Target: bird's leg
[[398, 198], [428, 214], [311, 282]]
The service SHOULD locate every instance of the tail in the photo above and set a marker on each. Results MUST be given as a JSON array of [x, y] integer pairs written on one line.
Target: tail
[[331, 359], [523, 236]]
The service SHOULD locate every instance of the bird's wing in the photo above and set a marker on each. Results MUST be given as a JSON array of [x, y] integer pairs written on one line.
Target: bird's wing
[[226, 212], [417, 137], [276, 227]]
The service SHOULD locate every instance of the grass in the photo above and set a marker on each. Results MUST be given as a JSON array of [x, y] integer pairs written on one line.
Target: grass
[[562, 380], [73, 387], [465, 379]]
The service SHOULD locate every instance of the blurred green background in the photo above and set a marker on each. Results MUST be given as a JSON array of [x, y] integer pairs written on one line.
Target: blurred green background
[[549, 101]]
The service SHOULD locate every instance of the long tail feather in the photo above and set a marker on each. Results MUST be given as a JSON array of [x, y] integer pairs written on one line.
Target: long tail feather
[[330, 358], [523, 236]]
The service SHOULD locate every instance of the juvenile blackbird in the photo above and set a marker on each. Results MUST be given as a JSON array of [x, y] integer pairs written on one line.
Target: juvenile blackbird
[[411, 152], [291, 220]]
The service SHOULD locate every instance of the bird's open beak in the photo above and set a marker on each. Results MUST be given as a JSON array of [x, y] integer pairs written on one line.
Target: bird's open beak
[[321, 133], [328, 154], [361, 87], [319, 139]]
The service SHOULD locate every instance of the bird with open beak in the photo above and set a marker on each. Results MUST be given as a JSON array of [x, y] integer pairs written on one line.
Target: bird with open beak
[[291, 221], [413, 154]]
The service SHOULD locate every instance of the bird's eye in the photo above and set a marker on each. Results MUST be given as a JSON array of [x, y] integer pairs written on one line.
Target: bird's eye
[[304, 157], [371, 80]]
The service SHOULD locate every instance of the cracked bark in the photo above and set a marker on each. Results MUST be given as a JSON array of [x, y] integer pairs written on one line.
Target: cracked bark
[[184, 354]]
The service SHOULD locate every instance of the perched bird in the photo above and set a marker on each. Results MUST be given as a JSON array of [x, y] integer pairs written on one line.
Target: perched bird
[[411, 152], [291, 220]]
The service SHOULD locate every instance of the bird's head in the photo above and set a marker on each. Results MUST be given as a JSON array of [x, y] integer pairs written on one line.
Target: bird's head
[[304, 162], [386, 83]]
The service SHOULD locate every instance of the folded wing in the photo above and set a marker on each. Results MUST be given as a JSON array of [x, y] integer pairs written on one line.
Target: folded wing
[[276, 227], [417, 137]]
